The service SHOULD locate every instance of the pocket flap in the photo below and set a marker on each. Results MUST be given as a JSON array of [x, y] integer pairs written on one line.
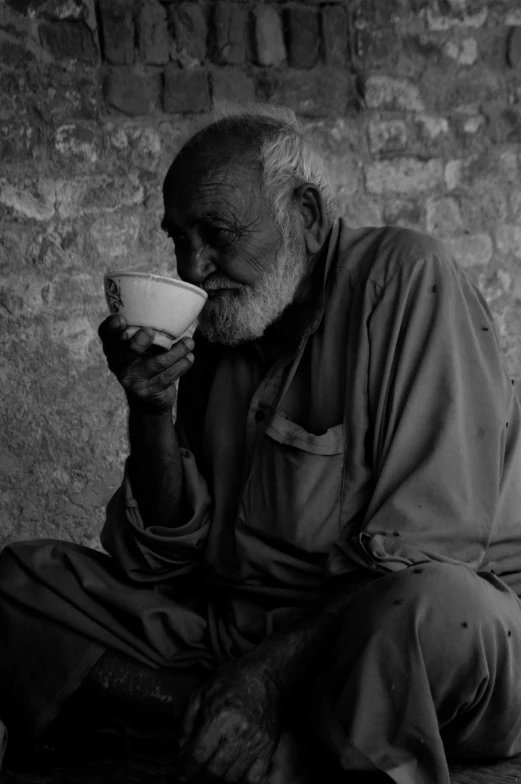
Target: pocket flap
[[286, 432]]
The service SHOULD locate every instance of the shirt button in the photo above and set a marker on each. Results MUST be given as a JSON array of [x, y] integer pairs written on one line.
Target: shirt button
[[259, 415]]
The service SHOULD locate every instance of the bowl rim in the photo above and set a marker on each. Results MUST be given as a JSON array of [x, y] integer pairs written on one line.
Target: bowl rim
[[161, 278]]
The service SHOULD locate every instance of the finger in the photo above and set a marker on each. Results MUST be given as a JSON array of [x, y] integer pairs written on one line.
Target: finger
[[112, 328], [219, 762], [160, 362], [237, 770], [203, 744], [258, 772], [166, 378], [141, 340]]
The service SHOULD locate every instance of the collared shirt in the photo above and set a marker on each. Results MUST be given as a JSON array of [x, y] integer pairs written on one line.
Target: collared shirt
[[388, 435]]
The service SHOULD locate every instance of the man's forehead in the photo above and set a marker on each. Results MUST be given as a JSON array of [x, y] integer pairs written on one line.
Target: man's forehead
[[216, 158], [230, 188]]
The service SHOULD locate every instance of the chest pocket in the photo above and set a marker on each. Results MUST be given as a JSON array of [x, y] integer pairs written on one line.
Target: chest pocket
[[294, 489]]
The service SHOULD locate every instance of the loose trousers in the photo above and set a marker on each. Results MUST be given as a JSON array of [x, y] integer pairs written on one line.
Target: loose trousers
[[427, 663]]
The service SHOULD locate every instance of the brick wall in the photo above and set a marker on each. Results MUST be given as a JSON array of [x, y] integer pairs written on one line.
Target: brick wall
[[415, 103]]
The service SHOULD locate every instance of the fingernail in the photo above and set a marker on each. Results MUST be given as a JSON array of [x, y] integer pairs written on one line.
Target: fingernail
[[190, 357], [189, 343]]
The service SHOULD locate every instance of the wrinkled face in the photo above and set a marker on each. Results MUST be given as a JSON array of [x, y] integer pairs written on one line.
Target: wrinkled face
[[228, 242]]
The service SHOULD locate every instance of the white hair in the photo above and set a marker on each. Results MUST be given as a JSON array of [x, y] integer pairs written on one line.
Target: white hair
[[287, 156]]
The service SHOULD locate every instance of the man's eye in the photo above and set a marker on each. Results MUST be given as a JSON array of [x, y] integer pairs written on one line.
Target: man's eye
[[180, 240], [217, 236]]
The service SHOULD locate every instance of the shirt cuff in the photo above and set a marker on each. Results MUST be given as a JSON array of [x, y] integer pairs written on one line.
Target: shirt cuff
[[158, 552]]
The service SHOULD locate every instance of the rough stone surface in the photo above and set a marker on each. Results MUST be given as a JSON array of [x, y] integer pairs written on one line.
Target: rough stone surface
[[303, 38], [269, 37], [185, 91]]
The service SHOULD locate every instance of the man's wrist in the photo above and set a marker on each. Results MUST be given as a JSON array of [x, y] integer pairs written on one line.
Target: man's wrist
[[147, 412]]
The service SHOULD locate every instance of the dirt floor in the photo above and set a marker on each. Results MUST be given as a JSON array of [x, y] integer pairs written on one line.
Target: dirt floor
[[148, 768]]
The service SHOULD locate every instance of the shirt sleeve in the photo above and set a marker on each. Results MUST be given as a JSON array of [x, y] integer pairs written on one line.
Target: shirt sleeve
[[158, 552], [437, 399]]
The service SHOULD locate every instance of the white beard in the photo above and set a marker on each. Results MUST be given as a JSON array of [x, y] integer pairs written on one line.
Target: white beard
[[245, 312]]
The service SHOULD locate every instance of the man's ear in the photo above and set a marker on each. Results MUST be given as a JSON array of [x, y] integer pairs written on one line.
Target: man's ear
[[314, 223]]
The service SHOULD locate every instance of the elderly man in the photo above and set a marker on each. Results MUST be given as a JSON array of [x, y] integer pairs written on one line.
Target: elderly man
[[326, 547]]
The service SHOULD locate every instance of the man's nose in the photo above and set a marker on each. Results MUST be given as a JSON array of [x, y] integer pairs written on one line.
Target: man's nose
[[197, 265]]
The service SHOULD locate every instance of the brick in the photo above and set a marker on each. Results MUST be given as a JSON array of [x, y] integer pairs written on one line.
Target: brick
[[463, 52], [62, 9], [470, 250], [76, 140], [486, 203], [13, 55], [472, 124], [440, 22], [303, 37], [404, 175], [515, 205], [269, 37], [18, 140], [132, 93], [401, 212], [504, 122], [361, 212], [117, 30], [154, 44], [387, 136], [443, 216], [335, 35], [323, 92], [373, 45], [231, 33], [466, 88], [508, 240], [514, 47], [233, 85], [185, 91], [453, 174], [115, 235], [513, 18], [36, 203], [190, 30], [69, 40], [432, 127], [386, 92], [508, 165]]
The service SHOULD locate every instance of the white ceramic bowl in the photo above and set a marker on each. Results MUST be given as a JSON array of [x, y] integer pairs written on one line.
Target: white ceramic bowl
[[167, 305]]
